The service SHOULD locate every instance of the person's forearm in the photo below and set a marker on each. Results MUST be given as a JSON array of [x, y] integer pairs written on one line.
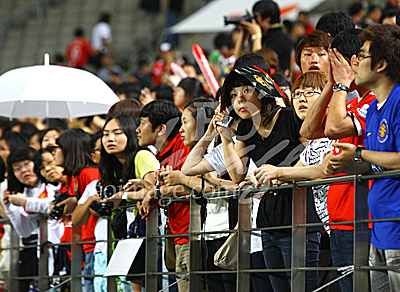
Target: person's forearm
[[239, 44], [301, 173], [338, 124], [81, 213], [195, 183], [312, 127], [37, 205], [235, 165], [257, 44], [196, 155], [136, 195], [387, 160]]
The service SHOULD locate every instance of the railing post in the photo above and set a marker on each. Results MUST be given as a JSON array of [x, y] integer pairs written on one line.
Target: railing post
[[14, 258], [76, 259], [151, 252], [111, 281], [361, 234], [298, 238], [194, 247], [44, 255], [244, 241]]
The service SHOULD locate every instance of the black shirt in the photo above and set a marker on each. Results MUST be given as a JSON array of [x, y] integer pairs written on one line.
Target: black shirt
[[278, 41], [281, 148]]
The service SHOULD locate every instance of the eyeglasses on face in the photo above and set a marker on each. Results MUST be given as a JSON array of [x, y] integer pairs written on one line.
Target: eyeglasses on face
[[361, 56], [17, 168], [306, 93]]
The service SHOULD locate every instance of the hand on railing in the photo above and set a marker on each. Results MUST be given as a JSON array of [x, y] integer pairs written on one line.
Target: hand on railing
[[265, 174], [149, 203], [250, 181]]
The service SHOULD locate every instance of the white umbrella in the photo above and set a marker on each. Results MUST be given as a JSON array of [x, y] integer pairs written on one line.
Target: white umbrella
[[51, 91]]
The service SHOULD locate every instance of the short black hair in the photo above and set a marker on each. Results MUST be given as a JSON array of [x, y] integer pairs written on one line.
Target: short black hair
[[268, 8], [56, 123], [105, 17], [355, 8], [347, 42], [163, 112], [333, 22], [26, 129], [192, 87], [164, 91], [223, 40], [75, 144], [130, 89], [390, 12], [248, 60], [14, 140], [385, 45], [21, 154], [78, 32]]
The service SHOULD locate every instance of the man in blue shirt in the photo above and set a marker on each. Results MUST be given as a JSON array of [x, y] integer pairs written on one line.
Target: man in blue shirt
[[376, 67]]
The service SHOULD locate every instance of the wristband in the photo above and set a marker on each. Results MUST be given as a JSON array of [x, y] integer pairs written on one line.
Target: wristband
[[256, 36], [124, 196]]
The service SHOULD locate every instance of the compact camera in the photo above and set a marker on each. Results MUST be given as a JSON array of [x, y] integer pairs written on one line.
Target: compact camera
[[58, 211], [105, 209]]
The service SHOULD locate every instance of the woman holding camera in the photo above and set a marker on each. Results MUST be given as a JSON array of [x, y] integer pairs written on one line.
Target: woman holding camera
[[121, 160], [73, 153]]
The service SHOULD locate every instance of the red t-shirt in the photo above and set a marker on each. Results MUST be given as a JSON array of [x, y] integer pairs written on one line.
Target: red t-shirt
[[157, 71], [340, 198], [85, 177], [178, 212], [78, 52]]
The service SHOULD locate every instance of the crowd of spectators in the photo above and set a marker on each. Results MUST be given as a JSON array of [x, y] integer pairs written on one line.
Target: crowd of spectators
[[302, 104]]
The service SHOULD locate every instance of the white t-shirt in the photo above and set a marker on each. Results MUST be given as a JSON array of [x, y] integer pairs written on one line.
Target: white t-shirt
[[101, 30], [22, 219], [314, 154], [217, 161], [100, 230]]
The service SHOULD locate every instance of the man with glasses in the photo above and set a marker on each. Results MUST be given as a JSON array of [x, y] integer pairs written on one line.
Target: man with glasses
[[377, 68], [345, 123]]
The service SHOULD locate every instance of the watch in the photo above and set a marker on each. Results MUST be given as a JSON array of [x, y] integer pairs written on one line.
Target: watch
[[339, 86], [357, 156]]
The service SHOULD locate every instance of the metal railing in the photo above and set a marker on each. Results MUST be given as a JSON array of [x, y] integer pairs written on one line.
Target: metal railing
[[244, 230]]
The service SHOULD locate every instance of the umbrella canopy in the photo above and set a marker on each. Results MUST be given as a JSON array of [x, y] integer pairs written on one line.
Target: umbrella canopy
[[51, 91]]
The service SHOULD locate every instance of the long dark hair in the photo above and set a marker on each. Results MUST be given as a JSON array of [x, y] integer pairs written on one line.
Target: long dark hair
[[111, 170], [75, 144], [21, 154]]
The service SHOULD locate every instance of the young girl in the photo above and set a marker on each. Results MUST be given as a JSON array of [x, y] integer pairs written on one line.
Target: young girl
[[73, 154], [196, 117], [49, 137], [121, 160], [28, 195], [266, 134]]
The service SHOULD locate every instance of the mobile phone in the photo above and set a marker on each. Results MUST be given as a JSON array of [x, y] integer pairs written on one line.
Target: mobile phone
[[226, 122]]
